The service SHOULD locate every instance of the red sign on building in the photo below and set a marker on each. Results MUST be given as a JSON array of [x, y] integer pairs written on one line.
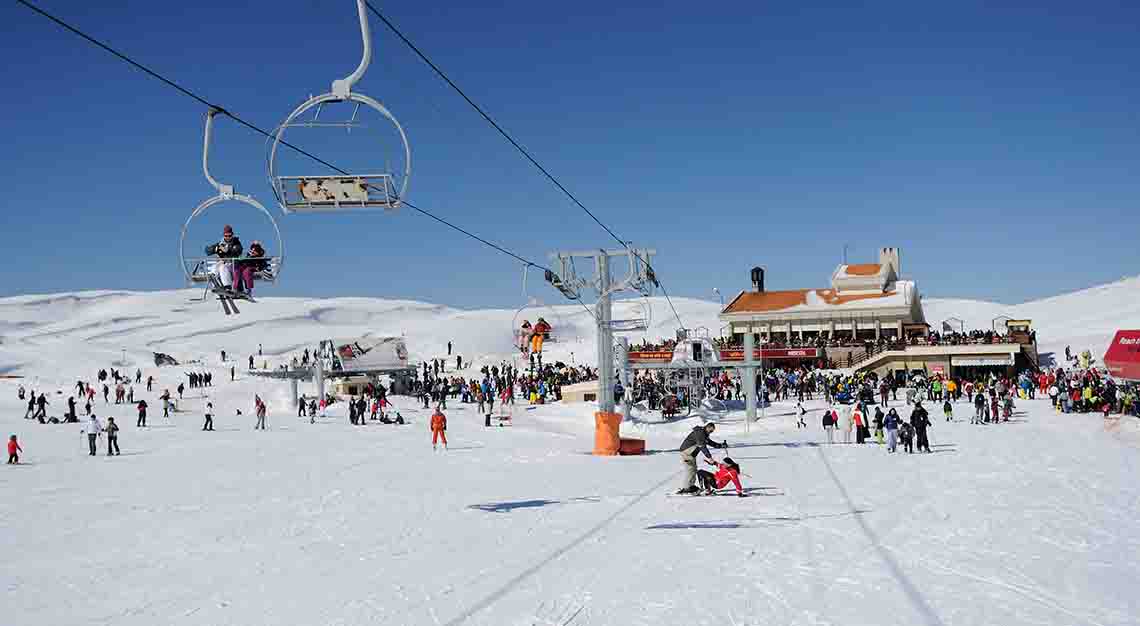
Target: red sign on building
[[1123, 356], [771, 353]]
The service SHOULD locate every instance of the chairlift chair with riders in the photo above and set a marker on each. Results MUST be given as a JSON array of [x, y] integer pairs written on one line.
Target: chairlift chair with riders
[[215, 272], [340, 190], [526, 320]]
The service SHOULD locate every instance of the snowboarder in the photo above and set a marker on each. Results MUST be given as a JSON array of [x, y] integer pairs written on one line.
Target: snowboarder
[[93, 429], [209, 425], [697, 442], [14, 451], [726, 472], [141, 423], [438, 428], [112, 437]]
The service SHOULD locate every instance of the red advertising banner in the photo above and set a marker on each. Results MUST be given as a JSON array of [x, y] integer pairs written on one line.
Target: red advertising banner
[[650, 356], [771, 353], [732, 354]]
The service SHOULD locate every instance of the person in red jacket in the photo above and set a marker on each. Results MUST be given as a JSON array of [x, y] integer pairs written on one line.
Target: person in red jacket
[[14, 451], [726, 472], [438, 428]]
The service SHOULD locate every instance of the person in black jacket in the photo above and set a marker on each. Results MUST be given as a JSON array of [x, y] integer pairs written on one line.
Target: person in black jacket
[[228, 248], [696, 443], [920, 420]]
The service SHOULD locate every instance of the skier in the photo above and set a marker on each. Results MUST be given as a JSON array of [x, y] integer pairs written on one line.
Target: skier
[[260, 410], [228, 248], [21, 393], [906, 435], [726, 472], [879, 425], [891, 422], [141, 423], [800, 423], [449, 348], [181, 388], [209, 425], [93, 429], [979, 408], [41, 406], [920, 420], [112, 437], [165, 397], [695, 443], [14, 451], [948, 410], [438, 428], [149, 383], [860, 427], [250, 361]]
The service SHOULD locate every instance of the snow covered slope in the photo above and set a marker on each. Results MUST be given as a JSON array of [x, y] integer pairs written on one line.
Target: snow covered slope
[[1030, 522]]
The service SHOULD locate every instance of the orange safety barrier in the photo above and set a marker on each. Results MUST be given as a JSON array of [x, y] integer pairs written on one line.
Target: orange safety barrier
[[631, 447], [607, 442]]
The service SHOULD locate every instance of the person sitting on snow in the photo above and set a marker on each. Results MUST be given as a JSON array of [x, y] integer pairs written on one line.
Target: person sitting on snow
[[726, 472]]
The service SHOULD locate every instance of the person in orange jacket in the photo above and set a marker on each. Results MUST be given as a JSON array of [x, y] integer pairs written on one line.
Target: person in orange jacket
[[726, 472], [438, 428], [14, 451]]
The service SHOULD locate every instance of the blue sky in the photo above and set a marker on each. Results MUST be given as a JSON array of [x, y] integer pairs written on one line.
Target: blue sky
[[998, 147]]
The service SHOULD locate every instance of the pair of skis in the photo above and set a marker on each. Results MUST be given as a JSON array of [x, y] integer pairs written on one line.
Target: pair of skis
[[228, 296]]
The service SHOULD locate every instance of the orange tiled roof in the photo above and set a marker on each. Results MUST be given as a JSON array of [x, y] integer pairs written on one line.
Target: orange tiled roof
[[761, 302], [863, 269]]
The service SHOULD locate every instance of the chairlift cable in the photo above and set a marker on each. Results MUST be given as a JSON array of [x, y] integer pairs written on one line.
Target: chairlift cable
[[523, 151], [201, 100]]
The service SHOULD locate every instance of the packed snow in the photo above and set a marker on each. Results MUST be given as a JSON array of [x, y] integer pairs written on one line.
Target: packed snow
[[1033, 521]]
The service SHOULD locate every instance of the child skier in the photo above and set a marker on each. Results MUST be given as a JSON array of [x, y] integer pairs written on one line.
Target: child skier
[[906, 435], [14, 451], [948, 410], [726, 472], [438, 428]]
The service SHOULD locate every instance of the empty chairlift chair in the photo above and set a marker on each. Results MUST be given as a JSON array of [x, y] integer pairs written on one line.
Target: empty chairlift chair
[[339, 190]]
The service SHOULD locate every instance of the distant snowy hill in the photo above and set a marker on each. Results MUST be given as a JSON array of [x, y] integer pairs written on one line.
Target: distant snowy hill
[[105, 323]]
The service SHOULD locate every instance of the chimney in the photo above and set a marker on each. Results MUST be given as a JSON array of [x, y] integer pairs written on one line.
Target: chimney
[[758, 279], [890, 257]]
